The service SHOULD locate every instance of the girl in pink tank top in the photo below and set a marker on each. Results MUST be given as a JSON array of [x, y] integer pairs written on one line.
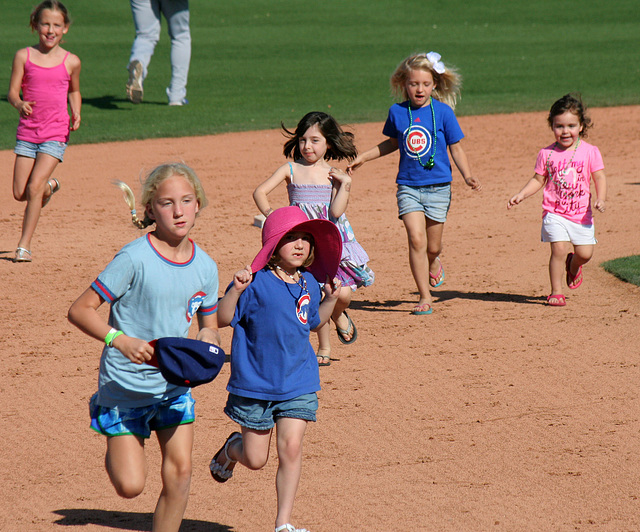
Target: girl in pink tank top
[[43, 78]]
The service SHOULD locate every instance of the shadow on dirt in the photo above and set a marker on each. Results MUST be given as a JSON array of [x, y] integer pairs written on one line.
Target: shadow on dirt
[[128, 520], [446, 295]]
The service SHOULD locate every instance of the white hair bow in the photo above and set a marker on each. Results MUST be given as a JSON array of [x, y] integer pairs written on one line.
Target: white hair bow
[[434, 59]]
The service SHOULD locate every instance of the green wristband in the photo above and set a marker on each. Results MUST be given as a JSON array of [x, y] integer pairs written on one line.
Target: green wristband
[[111, 336]]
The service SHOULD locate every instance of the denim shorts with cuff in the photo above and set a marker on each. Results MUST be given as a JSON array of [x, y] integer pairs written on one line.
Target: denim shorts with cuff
[[432, 200], [30, 149], [258, 414]]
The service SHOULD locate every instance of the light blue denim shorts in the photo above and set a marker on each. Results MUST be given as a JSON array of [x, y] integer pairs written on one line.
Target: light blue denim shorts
[[30, 149], [141, 421], [257, 414], [433, 200]]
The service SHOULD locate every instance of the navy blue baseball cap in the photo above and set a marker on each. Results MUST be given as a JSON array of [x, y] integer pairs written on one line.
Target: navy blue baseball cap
[[186, 362]]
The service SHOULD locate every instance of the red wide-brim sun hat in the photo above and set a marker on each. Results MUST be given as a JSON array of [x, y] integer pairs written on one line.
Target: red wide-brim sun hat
[[327, 241]]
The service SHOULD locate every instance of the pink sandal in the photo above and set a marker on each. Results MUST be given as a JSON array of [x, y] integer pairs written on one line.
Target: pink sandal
[[573, 281], [556, 300], [436, 280], [422, 310]]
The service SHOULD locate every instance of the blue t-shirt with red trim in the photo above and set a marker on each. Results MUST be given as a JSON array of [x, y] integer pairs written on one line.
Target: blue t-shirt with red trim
[[272, 358], [420, 141], [151, 297]]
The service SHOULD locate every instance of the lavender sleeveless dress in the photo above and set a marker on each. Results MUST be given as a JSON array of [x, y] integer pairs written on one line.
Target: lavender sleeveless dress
[[314, 200]]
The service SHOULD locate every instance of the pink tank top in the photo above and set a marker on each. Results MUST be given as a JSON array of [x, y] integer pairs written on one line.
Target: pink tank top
[[49, 88]]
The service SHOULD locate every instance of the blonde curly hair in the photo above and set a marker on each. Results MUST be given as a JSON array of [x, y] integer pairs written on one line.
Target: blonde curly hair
[[448, 83]]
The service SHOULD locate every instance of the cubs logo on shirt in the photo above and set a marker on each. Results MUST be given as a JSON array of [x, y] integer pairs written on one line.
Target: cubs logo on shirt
[[302, 308], [195, 301], [417, 141]]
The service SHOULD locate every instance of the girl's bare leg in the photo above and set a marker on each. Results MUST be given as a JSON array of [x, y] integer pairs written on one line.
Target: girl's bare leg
[[434, 244], [557, 263], [324, 334], [176, 445], [253, 450], [342, 304], [582, 255], [416, 227], [126, 465], [324, 342], [290, 433], [21, 172], [34, 192]]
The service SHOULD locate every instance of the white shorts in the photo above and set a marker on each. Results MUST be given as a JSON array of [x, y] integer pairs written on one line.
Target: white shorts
[[556, 228]]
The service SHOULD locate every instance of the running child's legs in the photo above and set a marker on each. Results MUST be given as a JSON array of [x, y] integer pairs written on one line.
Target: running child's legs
[[252, 451], [434, 243], [425, 245], [344, 300], [30, 177], [558, 260], [126, 464], [290, 433], [581, 255], [324, 340], [127, 468], [21, 173], [176, 444], [324, 334]]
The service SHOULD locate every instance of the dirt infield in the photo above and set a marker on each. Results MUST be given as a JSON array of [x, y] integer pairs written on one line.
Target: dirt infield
[[497, 412]]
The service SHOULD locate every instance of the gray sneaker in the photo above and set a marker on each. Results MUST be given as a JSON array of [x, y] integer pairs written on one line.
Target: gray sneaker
[[134, 85]]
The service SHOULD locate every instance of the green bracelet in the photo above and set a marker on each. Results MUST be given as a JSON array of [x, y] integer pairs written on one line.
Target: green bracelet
[[111, 336]]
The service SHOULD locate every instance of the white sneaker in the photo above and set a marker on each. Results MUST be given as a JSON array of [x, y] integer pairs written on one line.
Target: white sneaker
[[134, 85], [290, 528]]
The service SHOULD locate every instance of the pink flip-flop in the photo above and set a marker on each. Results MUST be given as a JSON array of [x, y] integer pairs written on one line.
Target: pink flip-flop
[[433, 279], [556, 300], [422, 310], [573, 281]]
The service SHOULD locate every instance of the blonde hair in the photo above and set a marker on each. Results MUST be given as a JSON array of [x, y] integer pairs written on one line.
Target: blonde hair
[[151, 185], [448, 83]]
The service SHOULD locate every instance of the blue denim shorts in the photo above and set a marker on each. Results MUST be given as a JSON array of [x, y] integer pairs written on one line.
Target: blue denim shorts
[[51, 147], [141, 421], [257, 414], [433, 200]]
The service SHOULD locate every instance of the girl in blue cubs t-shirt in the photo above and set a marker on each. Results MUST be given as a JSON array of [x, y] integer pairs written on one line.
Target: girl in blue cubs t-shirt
[[272, 306], [422, 127]]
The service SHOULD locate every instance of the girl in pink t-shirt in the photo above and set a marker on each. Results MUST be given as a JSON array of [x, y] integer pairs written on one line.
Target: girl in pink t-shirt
[[43, 78], [565, 169]]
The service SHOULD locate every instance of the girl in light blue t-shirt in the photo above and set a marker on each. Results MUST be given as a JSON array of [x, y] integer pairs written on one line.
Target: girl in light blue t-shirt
[[155, 286]]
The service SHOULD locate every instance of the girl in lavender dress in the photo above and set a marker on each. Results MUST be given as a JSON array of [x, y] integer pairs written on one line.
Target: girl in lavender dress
[[322, 191]]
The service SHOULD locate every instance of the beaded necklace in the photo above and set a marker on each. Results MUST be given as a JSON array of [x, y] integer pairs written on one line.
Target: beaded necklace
[[561, 173], [302, 285], [430, 163]]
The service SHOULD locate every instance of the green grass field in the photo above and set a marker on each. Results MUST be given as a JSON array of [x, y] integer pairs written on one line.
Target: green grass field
[[257, 63], [625, 268]]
